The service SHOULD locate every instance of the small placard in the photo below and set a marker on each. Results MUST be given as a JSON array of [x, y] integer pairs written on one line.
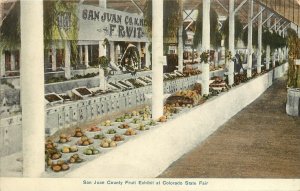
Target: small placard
[[297, 62]]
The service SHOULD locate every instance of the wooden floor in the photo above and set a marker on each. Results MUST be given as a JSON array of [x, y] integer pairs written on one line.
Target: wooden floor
[[261, 141]]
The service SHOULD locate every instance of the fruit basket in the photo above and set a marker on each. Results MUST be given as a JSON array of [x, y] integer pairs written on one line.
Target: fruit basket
[[107, 143], [130, 132], [183, 98], [75, 159], [111, 131], [117, 138], [100, 136], [218, 84], [63, 138], [123, 126], [142, 127], [91, 151], [69, 149], [106, 123], [93, 129], [78, 133], [60, 165], [85, 141]]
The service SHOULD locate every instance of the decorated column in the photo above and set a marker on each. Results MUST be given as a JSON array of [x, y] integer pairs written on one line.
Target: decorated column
[[2, 63], [268, 49], [86, 56], [222, 59], [231, 43], [157, 59], [180, 40], [32, 96], [12, 61], [80, 54], [259, 42], [102, 79], [67, 60], [140, 53], [205, 46], [112, 52], [148, 55], [53, 57], [250, 48], [102, 4], [102, 48]]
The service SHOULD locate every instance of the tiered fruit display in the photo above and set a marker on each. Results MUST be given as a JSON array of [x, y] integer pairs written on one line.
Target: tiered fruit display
[[162, 119], [60, 165], [183, 98], [118, 138], [78, 133], [99, 136], [240, 78], [142, 127], [91, 151], [218, 84], [127, 116], [51, 151], [64, 138], [69, 149], [187, 71], [75, 159], [135, 113], [106, 143], [85, 141], [93, 129], [111, 131], [152, 123], [106, 123], [124, 126], [120, 119], [136, 121], [130, 132]]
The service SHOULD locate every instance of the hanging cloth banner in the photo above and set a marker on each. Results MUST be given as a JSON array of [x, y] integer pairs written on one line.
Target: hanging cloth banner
[[97, 24]]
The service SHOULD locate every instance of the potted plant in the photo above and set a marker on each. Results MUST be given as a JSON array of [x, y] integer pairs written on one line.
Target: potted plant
[[293, 77], [103, 63]]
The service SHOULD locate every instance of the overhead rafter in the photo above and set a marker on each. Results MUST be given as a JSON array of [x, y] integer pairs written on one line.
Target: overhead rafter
[[138, 7], [222, 5], [281, 25], [240, 6], [260, 12], [275, 24]]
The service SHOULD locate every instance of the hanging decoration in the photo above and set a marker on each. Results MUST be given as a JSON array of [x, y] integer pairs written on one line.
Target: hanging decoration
[[216, 35], [238, 31]]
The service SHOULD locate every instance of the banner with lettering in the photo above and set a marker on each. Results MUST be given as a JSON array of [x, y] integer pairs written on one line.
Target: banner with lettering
[[97, 24]]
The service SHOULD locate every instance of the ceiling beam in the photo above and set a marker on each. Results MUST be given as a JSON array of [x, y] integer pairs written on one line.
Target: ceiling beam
[[138, 7], [260, 12], [275, 24], [240, 6], [222, 5]]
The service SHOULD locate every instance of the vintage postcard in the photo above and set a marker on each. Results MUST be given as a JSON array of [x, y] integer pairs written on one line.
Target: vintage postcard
[[149, 95]]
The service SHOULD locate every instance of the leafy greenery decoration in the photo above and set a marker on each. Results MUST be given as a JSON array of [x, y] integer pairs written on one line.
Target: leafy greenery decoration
[[214, 31], [171, 18], [293, 42], [238, 30], [10, 37]]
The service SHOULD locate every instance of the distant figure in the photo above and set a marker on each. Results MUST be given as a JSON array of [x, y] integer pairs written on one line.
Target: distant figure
[[238, 63]]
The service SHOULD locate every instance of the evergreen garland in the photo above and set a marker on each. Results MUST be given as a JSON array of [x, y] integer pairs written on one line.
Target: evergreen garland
[[293, 42], [10, 37], [214, 31], [171, 18], [238, 30]]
